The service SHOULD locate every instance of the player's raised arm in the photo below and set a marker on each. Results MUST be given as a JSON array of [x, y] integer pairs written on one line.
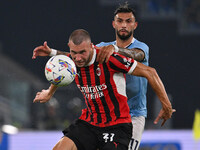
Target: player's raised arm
[[45, 95], [158, 87], [42, 50], [135, 53], [106, 51], [45, 50]]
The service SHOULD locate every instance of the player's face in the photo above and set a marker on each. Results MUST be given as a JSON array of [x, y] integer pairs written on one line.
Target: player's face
[[124, 24], [81, 54]]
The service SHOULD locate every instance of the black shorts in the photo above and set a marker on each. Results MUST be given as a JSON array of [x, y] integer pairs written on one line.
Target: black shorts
[[89, 137]]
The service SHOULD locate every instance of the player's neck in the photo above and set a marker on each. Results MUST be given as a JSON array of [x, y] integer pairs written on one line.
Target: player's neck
[[122, 43], [91, 57]]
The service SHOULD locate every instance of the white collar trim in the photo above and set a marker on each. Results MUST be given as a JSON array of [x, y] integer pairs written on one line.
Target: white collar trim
[[133, 40]]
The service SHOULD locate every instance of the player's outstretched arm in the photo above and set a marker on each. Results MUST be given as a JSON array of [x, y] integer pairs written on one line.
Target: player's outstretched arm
[[45, 50], [42, 50], [158, 87], [45, 95]]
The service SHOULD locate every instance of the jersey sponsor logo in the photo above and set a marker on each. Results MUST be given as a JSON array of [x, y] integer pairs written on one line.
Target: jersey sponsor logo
[[93, 92]]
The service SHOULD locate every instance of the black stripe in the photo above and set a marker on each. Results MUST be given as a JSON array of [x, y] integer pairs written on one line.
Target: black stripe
[[81, 84], [110, 91], [121, 60], [103, 101], [88, 75], [116, 68]]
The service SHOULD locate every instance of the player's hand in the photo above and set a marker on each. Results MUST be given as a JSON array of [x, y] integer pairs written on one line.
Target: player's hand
[[105, 53], [164, 114], [42, 50], [42, 96]]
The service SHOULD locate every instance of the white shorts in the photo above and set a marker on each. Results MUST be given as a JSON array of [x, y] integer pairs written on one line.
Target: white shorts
[[138, 128]]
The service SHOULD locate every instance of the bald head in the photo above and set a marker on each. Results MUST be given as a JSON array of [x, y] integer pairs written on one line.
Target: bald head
[[78, 36]]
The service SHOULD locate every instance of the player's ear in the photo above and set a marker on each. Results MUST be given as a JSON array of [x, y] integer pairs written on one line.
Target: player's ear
[[113, 24], [135, 25]]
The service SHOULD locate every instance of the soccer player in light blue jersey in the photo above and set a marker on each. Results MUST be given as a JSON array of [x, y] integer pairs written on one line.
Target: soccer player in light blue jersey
[[124, 24]]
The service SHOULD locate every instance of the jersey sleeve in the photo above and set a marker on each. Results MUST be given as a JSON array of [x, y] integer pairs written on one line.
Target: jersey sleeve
[[120, 63], [142, 46]]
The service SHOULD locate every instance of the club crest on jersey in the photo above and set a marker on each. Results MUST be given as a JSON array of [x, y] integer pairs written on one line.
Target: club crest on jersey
[[98, 71]]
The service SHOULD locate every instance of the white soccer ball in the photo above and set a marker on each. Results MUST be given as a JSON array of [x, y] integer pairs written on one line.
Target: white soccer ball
[[60, 70]]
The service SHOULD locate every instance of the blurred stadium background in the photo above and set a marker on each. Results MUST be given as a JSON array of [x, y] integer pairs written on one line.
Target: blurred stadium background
[[171, 28]]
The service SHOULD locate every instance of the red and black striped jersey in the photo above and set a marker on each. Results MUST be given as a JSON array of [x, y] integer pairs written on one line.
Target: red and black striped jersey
[[104, 89]]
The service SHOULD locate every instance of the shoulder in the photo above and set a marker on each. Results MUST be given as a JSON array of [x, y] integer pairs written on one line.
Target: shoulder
[[105, 43], [118, 57], [140, 45]]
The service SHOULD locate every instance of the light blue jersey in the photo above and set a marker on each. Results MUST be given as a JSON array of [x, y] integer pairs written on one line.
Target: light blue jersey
[[136, 87]]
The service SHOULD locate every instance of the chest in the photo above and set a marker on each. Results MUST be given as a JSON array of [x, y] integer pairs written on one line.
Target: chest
[[95, 74]]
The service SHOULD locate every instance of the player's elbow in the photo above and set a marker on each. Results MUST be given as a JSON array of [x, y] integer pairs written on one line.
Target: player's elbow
[[152, 72], [144, 71]]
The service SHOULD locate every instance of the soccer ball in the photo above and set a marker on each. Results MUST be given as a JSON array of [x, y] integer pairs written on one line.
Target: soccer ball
[[60, 70]]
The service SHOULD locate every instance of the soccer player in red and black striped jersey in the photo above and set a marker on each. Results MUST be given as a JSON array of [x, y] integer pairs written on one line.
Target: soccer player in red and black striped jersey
[[106, 123], [103, 87]]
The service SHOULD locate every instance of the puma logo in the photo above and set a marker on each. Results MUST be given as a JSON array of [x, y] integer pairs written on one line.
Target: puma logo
[[115, 144]]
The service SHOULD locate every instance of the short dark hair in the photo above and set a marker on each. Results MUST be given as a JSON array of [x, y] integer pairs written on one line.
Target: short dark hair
[[124, 8], [79, 35]]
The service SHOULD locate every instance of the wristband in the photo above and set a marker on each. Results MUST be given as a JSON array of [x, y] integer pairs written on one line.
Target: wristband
[[53, 52], [116, 48]]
